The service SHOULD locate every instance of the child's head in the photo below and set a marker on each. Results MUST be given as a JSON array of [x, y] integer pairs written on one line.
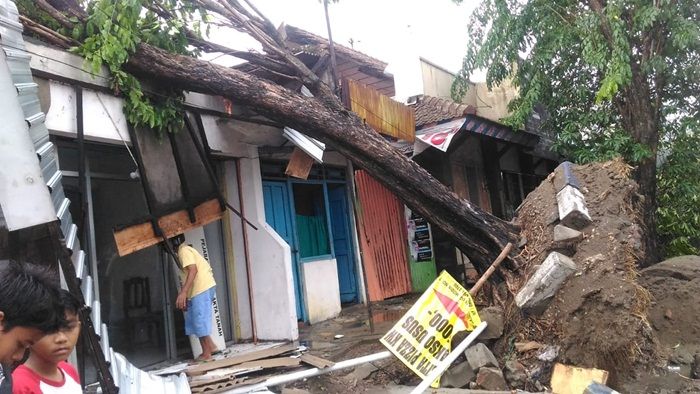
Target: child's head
[[30, 307], [58, 346]]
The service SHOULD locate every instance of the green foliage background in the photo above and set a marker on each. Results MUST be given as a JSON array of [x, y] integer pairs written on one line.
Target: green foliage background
[[558, 54]]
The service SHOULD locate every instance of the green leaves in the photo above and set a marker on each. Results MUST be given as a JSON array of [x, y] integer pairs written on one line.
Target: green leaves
[[616, 77], [112, 33]]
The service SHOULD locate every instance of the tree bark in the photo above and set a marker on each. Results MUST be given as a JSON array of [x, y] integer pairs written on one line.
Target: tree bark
[[480, 235], [641, 119]]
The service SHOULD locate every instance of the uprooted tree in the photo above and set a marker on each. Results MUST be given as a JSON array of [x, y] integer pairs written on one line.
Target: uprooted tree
[[154, 40], [618, 78]]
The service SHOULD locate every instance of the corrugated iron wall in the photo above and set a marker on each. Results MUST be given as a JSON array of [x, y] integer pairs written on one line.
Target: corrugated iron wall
[[383, 114], [382, 239]]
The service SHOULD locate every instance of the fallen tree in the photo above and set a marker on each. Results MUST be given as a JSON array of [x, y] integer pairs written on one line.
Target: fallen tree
[[478, 234]]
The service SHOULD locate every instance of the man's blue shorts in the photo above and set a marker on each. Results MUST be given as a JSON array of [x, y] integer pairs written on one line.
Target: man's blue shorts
[[198, 314]]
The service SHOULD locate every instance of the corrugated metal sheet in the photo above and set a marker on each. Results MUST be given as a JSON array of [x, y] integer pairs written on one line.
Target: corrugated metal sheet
[[383, 239], [15, 62], [383, 114]]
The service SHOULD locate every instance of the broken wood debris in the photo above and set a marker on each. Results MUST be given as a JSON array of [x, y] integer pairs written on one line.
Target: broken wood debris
[[317, 362], [201, 369]]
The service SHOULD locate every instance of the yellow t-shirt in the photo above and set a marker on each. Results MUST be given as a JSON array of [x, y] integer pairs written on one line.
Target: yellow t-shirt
[[205, 277]]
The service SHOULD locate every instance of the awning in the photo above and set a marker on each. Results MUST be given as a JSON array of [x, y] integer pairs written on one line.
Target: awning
[[310, 146], [440, 136]]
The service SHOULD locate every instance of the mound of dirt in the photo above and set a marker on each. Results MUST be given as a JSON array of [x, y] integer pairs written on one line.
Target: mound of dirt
[[675, 309], [598, 317]]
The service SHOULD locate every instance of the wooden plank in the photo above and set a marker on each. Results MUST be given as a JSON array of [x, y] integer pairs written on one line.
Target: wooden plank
[[200, 369], [317, 362], [272, 363], [141, 236], [567, 379], [299, 164]]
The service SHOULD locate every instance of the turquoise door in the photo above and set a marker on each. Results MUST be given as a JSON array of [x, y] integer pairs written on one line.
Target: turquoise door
[[278, 214], [342, 242]]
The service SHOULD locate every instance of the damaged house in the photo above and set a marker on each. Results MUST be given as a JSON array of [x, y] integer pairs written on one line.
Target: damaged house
[[284, 249]]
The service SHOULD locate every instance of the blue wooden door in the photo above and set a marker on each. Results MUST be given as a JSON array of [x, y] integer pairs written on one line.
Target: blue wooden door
[[278, 214], [342, 242]]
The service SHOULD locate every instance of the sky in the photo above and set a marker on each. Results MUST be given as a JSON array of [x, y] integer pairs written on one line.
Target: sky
[[395, 31]]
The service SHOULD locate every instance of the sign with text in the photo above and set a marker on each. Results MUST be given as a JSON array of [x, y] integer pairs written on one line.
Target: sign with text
[[423, 336]]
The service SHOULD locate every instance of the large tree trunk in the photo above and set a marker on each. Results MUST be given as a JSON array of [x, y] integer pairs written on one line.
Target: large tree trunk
[[641, 120], [480, 235]]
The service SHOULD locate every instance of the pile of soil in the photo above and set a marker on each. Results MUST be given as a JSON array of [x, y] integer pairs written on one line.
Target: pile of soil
[[599, 316], [675, 309]]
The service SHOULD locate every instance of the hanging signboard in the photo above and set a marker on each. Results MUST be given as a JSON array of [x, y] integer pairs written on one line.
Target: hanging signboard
[[440, 136], [423, 336]]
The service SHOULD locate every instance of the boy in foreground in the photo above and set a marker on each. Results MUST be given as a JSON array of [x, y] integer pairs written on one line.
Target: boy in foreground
[[195, 297], [46, 370], [30, 307]]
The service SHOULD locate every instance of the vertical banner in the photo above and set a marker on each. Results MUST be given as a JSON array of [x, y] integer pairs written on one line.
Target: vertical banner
[[195, 237], [423, 336]]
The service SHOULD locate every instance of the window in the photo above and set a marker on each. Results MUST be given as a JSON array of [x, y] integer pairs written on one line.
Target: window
[[311, 220]]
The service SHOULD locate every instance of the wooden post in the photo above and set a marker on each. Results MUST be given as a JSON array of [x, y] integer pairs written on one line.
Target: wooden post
[[480, 283]]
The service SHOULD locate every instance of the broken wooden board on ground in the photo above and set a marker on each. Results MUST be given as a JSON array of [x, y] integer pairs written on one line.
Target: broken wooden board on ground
[[201, 369], [317, 362], [225, 385], [567, 379]]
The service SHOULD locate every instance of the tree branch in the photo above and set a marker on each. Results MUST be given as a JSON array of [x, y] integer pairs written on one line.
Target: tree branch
[[47, 34], [56, 14]]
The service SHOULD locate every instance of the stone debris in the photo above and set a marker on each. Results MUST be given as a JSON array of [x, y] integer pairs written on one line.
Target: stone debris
[[515, 373], [566, 235], [458, 376], [549, 353], [479, 356], [544, 284], [489, 378], [564, 176], [572, 208], [494, 316]]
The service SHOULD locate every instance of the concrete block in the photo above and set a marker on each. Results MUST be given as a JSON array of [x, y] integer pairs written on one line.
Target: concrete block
[[491, 379], [494, 316], [564, 176], [544, 283], [458, 376], [480, 356], [563, 234], [572, 208]]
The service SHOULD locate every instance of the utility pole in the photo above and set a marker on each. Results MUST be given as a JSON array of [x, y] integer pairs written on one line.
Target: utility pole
[[331, 48]]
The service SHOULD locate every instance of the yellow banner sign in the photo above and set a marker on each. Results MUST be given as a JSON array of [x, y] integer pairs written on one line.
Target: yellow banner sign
[[423, 336]]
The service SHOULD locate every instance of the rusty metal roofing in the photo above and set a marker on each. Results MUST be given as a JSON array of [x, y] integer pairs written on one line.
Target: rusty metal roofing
[[432, 110]]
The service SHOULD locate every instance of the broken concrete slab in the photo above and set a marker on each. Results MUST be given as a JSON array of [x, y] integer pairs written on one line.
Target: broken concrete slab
[[491, 379], [572, 208], [479, 356], [494, 316], [597, 388], [564, 176], [566, 235], [544, 283], [458, 376], [567, 379]]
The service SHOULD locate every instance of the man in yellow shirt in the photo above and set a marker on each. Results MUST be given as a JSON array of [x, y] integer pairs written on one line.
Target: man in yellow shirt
[[196, 295]]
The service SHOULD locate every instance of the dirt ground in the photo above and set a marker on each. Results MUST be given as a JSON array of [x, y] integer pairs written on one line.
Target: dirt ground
[[642, 327]]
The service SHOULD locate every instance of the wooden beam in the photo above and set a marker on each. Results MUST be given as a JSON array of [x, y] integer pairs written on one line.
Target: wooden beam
[[142, 235]]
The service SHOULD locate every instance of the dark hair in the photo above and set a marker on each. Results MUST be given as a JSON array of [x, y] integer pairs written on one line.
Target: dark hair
[[70, 302], [178, 240], [29, 298]]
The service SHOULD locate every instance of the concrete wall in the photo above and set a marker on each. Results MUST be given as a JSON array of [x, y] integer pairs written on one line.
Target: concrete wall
[[270, 260], [321, 289], [437, 82], [493, 104]]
